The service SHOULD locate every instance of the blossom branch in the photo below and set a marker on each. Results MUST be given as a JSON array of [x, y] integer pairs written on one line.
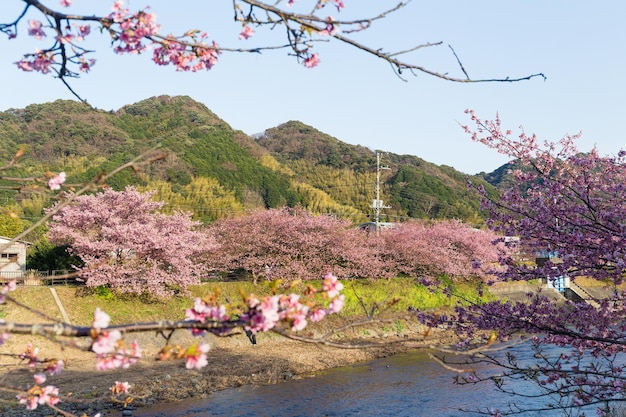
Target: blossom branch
[[138, 32]]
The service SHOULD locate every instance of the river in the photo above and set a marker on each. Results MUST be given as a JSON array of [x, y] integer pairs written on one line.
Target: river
[[403, 385]]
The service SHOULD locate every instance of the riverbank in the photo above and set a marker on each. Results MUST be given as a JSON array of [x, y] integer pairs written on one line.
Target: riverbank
[[233, 362]]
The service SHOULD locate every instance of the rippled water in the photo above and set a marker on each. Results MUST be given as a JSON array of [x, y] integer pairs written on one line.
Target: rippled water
[[404, 385]]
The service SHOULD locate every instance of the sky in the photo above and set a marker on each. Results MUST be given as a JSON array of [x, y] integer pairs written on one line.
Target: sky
[[358, 98]]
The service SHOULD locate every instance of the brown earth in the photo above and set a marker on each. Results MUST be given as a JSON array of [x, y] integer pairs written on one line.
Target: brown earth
[[233, 362]]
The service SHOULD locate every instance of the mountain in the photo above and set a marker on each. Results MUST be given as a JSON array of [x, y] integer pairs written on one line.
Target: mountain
[[414, 188], [214, 170], [501, 178]]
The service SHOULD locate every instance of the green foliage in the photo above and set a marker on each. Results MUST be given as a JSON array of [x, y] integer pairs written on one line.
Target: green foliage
[[104, 293], [291, 164], [203, 196], [10, 224], [134, 309], [44, 256], [398, 294], [440, 196], [294, 140]]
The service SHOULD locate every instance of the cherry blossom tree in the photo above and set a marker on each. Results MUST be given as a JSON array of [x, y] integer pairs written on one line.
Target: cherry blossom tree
[[293, 243], [65, 52], [286, 244], [448, 247], [572, 204], [126, 245]]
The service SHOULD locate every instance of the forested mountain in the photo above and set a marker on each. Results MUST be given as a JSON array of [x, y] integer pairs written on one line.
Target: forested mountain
[[412, 187], [214, 170]]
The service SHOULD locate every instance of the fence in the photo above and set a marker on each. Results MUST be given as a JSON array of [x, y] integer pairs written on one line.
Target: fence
[[33, 278]]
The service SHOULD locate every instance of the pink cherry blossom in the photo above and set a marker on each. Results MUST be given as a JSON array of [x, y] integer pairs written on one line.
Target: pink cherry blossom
[[317, 315], [31, 401], [164, 251], [120, 388], [55, 182], [85, 65], [337, 304], [101, 320], [202, 312], [339, 4], [40, 378], [31, 354], [134, 29], [267, 314], [35, 29], [121, 358], [196, 356], [331, 285], [106, 342], [49, 395], [40, 61], [312, 61], [40, 396], [299, 322], [54, 367], [66, 3], [5, 289], [83, 30], [330, 28], [246, 33]]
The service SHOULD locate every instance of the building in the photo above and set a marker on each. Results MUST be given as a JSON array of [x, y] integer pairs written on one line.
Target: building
[[371, 226], [12, 258]]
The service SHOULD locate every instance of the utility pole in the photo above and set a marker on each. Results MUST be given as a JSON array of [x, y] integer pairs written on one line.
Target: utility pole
[[377, 204]]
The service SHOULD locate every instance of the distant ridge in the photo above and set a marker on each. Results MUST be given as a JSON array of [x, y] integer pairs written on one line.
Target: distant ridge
[[214, 170]]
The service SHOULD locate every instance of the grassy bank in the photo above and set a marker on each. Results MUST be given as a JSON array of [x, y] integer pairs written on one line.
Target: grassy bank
[[395, 295]]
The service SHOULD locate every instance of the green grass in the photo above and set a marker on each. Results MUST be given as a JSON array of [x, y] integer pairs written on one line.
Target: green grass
[[399, 294], [361, 297]]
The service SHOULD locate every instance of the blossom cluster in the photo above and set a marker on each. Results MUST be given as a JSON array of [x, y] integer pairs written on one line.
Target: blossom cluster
[[42, 60], [135, 32], [134, 28], [55, 182], [264, 315], [109, 347], [193, 58], [320, 4], [38, 394]]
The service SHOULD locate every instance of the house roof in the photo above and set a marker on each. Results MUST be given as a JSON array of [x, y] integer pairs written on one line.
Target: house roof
[[4, 239]]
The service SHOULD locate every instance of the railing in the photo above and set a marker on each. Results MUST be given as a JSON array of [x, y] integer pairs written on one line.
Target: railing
[[34, 278], [584, 294]]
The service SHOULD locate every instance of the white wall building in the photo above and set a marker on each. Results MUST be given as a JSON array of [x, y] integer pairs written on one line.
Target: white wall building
[[12, 257]]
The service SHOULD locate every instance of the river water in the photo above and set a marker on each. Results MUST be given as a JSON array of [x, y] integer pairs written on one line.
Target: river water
[[403, 385]]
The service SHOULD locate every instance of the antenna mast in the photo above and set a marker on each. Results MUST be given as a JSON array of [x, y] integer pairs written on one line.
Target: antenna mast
[[377, 204]]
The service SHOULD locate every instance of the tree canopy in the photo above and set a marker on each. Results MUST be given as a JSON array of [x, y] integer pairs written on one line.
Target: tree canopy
[[125, 244], [573, 208]]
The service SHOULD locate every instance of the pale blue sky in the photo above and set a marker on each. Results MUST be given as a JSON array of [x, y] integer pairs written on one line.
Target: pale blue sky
[[579, 45]]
